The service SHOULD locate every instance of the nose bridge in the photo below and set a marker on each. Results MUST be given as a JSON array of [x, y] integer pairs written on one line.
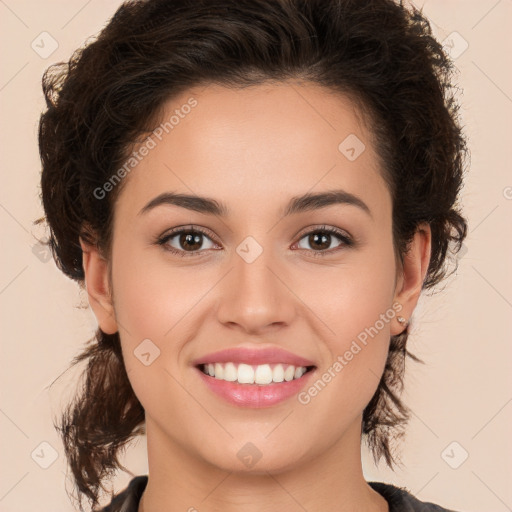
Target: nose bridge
[[255, 294]]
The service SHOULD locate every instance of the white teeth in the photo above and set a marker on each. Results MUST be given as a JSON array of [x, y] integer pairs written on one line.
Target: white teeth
[[278, 373], [219, 370], [263, 374], [245, 374], [257, 374], [299, 372], [289, 373], [230, 372]]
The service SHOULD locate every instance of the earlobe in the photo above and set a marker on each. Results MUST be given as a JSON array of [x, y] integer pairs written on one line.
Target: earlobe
[[414, 270], [98, 288]]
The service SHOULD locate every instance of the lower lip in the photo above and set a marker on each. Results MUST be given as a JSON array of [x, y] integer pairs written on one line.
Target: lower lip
[[254, 395]]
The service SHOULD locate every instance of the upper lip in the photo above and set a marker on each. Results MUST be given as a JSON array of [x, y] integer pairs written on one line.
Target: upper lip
[[257, 356]]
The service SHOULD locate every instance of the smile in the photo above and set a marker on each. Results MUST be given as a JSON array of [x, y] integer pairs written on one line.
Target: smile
[[263, 374], [253, 386]]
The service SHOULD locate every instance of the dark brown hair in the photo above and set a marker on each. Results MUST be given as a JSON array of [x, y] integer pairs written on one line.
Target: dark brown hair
[[379, 52]]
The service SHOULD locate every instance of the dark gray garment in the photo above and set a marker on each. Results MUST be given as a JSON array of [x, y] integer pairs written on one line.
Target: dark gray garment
[[399, 500]]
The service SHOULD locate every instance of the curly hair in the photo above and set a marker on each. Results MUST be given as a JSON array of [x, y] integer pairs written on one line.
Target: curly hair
[[379, 52]]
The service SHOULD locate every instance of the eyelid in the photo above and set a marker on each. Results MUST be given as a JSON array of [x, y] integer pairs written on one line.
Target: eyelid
[[186, 227], [324, 228]]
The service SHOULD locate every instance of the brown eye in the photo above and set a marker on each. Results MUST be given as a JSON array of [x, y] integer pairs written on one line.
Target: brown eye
[[321, 240], [186, 242], [190, 241]]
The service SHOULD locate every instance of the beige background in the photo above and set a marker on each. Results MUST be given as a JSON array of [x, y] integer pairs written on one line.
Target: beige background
[[463, 394]]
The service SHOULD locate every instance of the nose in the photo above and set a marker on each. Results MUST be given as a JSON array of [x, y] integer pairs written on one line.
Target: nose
[[255, 296]]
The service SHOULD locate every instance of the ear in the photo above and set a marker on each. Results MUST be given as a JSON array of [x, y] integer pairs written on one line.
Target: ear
[[412, 275], [98, 288]]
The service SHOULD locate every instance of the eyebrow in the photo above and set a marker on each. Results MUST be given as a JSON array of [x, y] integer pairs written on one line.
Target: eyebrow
[[298, 204]]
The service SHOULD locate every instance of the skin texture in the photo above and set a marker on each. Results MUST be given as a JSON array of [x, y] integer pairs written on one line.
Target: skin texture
[[254, 149]]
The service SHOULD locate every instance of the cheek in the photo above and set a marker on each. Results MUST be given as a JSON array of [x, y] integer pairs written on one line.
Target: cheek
[[156, 307], [356, 312], [351, 299], [151, 305], [151, 298]]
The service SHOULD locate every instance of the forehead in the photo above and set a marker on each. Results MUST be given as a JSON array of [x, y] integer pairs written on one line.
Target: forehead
[[266, 141]]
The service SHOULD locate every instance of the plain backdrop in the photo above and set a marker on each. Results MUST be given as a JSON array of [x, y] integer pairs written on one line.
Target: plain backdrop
[[458, 445]]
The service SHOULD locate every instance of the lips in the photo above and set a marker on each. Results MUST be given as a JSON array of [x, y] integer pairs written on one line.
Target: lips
[[254, 395], [269, 355]]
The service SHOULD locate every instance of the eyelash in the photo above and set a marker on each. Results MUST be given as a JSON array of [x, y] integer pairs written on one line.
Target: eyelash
[[344, 238]]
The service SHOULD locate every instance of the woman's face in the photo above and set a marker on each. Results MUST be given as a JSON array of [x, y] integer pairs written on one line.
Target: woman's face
[[257, 276]]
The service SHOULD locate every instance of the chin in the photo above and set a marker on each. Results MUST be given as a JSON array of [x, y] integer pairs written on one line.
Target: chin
[[258, 457]]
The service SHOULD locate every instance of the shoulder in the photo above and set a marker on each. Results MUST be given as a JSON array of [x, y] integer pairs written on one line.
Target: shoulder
[[400, 500], [128, 499]]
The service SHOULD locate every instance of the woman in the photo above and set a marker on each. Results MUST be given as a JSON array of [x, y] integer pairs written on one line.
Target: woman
[[254, 194]]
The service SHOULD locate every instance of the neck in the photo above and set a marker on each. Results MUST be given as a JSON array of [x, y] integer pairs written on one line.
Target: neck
[[179, 480]]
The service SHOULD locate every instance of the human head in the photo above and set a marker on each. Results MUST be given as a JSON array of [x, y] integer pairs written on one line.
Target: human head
[[112, 94]]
